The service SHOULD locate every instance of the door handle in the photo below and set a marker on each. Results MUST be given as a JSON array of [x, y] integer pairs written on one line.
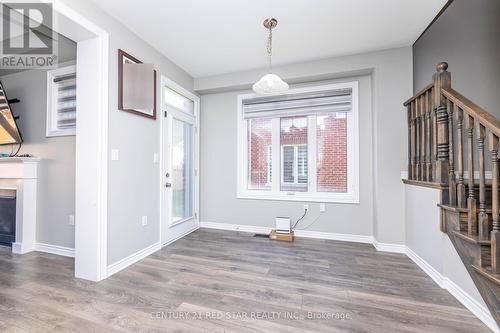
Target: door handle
[[168, 184]]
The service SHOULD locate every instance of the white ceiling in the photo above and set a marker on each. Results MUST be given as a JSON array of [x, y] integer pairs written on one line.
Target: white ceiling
[[221, 36]]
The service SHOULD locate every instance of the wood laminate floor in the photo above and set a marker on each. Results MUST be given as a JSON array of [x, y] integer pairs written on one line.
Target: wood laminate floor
[[217, 281]]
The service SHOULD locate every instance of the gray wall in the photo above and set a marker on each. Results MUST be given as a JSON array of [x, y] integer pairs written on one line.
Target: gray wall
[[133, 181], [218, 174], [467, 37], [383, 151], [56, 185], [424, 238]]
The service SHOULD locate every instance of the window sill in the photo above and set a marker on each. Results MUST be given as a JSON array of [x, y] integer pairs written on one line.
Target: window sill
[[340, 199]]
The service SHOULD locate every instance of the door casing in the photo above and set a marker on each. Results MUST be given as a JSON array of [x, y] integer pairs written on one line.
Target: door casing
[[182, 229]]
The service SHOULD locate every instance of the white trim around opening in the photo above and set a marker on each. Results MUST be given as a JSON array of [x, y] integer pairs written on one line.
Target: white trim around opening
[[91, 183]]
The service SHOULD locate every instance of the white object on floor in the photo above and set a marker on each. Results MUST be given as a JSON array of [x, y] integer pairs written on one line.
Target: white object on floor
[[283, 225]]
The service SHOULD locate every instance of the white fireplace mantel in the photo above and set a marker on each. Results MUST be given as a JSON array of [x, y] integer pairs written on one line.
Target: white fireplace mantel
[[21, 174]]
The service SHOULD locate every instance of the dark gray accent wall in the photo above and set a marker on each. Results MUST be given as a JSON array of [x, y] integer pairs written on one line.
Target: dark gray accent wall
[[467, 36]]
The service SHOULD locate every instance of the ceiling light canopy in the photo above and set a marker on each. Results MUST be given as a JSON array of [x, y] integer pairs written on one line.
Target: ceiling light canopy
[[270, 83]]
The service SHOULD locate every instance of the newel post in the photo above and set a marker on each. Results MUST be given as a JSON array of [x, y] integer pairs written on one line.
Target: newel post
[[442, 79]]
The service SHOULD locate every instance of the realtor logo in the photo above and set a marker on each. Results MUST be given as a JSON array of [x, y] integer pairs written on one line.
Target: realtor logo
[[28, 38]]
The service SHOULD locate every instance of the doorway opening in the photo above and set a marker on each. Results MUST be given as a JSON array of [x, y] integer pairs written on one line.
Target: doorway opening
[[179, 190], [86, 77]]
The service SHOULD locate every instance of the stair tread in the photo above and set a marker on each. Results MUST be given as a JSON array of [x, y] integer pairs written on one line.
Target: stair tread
[[487, 272], [487, 183], [460, 209], [471, 238], [452, 208]]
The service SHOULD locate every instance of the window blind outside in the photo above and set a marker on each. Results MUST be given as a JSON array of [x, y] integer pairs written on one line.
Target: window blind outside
[[66, 101], [298, 105], [288, 163], [302, 164]]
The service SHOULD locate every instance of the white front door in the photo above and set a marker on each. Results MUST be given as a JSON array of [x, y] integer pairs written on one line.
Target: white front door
[[180, 156]]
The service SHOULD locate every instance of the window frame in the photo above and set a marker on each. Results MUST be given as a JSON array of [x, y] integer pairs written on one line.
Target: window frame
[[352, 194]]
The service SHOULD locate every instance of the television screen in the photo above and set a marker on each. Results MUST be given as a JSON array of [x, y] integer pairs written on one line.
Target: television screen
[[9, 132]]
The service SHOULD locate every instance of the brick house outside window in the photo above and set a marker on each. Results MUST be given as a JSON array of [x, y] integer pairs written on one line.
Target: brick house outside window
[[331, 158]]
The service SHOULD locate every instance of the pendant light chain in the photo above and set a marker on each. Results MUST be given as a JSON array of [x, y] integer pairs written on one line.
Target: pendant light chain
[[270, 49], [270, 83]]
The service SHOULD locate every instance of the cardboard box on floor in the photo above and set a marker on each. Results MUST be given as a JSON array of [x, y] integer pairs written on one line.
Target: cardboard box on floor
[[281, 237]]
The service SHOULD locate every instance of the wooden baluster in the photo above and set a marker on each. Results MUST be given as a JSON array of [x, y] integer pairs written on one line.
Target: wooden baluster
[[422, 138], [471, 200], [483, 220], [414, 141], [410, 135], [417, 142], [434, 136], [451, 181], [442, 80], [428, 163], [495, 233], [461, 201]]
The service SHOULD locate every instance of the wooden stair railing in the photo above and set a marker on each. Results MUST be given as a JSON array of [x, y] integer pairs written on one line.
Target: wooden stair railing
[[449, 138]]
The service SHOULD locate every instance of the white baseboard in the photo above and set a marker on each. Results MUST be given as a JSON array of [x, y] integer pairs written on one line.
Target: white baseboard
[[135, 257], [297, 233], [334, 236], [132, 259], [470, 303], [235, 227], [444, 282], [426, 267], [55, 249], [22, 248], [389, 247]]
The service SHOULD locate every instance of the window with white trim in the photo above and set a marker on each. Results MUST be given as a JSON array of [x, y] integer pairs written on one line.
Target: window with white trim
[[61, 101], [312, 133]]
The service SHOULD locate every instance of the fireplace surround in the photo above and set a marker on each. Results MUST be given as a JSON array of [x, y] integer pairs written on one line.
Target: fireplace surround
[[19, 177]]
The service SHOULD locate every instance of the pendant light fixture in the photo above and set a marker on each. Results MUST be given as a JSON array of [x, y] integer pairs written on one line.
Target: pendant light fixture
[[270, 83]]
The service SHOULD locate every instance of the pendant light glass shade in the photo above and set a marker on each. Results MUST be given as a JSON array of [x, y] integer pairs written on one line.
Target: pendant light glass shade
[[270, 84]]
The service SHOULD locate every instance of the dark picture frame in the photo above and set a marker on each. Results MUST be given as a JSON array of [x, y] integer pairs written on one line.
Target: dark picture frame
[[122, 57]]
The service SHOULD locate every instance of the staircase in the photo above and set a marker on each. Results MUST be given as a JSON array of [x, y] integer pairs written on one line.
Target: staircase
[[453, 146]]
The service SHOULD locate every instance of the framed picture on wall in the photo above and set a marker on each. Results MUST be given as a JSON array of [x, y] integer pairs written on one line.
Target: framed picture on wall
[[136, 86], [61, 101]]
